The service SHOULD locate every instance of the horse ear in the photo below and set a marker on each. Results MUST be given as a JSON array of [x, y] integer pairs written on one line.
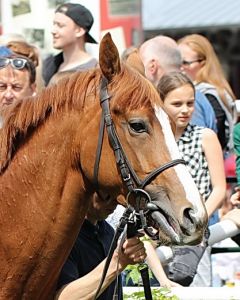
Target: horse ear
[[109, 59]]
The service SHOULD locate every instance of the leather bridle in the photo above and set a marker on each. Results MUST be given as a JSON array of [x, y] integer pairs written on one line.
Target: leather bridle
[[134, 185]]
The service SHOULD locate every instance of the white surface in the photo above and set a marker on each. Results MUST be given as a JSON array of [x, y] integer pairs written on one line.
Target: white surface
[[226, 266], [221, 231], [195, 293]]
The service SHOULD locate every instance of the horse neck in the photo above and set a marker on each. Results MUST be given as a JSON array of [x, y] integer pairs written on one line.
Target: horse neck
[[45, 176], [40, 189], [47, 151]]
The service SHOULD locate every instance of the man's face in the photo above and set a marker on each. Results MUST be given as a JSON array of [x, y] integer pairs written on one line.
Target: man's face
[[65, 32], [14, 85], [100, 209]]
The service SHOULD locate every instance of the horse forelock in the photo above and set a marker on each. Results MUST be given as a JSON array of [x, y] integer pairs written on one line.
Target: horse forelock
[[130, 91], [71, 94]]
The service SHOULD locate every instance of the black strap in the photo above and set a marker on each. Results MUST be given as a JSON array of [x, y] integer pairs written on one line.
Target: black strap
[[120, 228], [143, 268], [159, 170]]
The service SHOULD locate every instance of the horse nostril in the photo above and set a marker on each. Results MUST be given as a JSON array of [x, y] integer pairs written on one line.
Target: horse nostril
[[189, 225], [188, 214]]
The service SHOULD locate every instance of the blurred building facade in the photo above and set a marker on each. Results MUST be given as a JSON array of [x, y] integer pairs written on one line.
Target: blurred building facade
[[219, 21]]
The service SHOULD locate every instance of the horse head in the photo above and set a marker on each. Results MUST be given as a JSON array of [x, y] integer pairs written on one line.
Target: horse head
[[143, 155]]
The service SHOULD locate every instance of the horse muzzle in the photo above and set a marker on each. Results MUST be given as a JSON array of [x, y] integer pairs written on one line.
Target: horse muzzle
[[172, 231]]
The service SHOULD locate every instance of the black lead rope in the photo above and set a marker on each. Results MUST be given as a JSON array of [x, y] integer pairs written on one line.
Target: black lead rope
[[143, 267], [131, 232], [122, 223]]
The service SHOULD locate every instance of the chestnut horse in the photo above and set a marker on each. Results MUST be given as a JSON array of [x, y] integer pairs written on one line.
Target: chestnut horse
[[47, 158]]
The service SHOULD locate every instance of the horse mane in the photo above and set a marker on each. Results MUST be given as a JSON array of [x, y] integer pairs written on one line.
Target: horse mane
[[135, 91], [26, 115]]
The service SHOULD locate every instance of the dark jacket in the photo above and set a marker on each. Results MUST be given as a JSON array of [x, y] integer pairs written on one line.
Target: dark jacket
[[90, 249], [52, 63]]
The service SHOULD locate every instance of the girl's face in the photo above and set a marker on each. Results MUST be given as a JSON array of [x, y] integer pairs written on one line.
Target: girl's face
[[179, 105]]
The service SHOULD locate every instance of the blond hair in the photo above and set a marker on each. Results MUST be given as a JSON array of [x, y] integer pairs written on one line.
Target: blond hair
[[211, 70]]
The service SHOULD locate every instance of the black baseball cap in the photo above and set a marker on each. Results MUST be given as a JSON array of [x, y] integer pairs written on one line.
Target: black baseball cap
[[80, 15]]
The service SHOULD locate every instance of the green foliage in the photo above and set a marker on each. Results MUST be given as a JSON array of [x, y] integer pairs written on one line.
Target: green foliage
[[145, 238], [157, 294], [133, 273]]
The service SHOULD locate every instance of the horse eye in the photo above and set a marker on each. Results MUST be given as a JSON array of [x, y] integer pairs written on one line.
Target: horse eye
[[138, 126]]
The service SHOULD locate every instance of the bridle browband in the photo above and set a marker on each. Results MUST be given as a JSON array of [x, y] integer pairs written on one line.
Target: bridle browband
[[134, 185], [128, 175]]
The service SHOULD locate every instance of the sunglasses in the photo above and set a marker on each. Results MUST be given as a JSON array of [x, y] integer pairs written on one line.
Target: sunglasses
[[17, 63]]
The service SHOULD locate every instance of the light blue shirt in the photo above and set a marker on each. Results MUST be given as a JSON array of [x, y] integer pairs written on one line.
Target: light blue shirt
[[203, 114]]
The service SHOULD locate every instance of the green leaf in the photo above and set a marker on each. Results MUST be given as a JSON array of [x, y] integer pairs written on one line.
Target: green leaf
[[161, 293], [157, 294]]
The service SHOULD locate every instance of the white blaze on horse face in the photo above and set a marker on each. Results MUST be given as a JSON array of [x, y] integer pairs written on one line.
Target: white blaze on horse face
[[184, 176]]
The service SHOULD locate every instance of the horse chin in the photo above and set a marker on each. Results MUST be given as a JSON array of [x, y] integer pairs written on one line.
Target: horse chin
[[191, 240], [164, 240], [169, 231]]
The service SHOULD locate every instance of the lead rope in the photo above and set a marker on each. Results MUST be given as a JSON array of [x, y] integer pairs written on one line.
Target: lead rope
[[143, 267], [123, 222], [117, 287]]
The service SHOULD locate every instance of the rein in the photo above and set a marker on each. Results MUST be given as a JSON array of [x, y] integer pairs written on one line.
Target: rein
[[129, 177]]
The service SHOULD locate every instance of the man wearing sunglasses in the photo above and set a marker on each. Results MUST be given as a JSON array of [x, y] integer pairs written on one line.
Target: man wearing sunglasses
[[17, 77]]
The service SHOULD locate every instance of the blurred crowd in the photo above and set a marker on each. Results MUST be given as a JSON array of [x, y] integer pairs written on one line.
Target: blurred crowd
[[199, 100]]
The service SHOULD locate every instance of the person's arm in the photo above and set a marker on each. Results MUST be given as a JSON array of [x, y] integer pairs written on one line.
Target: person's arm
[[156, 266], [85, 287], [214, 156]]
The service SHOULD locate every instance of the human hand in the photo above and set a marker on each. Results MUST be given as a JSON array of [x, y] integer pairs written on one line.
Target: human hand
[[132, 252], [169, 283], [235, 198]]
